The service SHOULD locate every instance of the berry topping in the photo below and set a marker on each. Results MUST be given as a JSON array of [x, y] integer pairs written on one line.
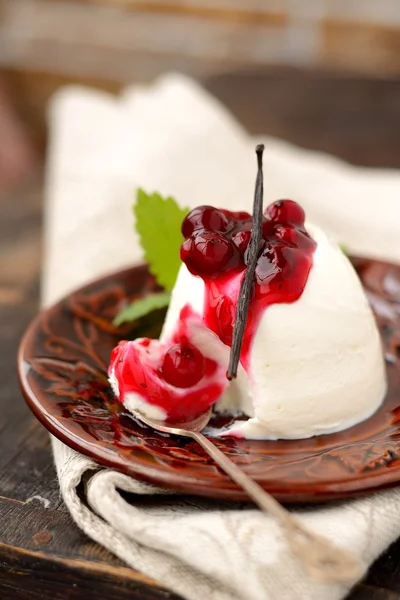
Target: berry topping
[[239, 215], [269, 264], [207, 252], [204, 217], [183, 365], [268, 229], [286, 233], [295, 237], [225, 318], [186, 250], [217, 252], [241, 240], [286, 211]]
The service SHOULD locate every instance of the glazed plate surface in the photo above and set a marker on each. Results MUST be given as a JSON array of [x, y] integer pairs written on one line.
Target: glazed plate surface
[[62, 366]]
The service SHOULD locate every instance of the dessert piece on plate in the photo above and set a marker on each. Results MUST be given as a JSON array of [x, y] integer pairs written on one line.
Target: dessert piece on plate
[[311, 355], [177, 378], [311, 361]]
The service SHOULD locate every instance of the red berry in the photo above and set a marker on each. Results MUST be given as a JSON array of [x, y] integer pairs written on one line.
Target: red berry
[[295, 237], [267, 229], [286, 211], [236, 215], [209, 253], [186, 250], [240, 215], [225, 313], [269, 263], [286, 234], [241, 240], [204, 217], [183, 365]]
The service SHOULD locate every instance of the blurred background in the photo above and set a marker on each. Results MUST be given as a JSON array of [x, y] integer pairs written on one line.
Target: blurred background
[[108, 43], [324, 74]]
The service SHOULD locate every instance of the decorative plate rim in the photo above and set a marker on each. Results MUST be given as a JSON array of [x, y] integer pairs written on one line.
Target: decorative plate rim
[[283, 490]]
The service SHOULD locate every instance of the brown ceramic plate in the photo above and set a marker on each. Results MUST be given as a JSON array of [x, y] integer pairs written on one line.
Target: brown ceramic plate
[[62, 368]]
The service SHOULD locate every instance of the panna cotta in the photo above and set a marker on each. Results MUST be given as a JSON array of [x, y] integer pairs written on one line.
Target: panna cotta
[[311, 361]]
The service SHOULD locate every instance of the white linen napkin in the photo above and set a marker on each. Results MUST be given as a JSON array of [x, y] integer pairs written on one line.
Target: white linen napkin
[[174, 138]]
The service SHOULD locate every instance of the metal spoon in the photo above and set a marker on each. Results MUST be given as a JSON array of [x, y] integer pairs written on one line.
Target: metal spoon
[[320, 558]]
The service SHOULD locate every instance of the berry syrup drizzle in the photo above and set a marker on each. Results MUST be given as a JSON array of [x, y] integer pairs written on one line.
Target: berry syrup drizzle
[[215, 249], [174, 376]]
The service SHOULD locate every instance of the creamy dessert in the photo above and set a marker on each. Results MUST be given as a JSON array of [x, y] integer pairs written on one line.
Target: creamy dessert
[[311, 361]]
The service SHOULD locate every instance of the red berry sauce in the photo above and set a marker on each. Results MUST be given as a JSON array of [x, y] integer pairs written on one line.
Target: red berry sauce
[[215, 247], [173, 375]]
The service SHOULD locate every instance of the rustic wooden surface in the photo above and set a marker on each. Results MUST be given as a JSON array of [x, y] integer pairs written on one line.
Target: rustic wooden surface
[[43, 555], [122, 40]]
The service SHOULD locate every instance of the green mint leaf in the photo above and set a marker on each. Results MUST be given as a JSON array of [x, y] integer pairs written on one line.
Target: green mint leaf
[[344, 249], [141, 307], [158, 223]]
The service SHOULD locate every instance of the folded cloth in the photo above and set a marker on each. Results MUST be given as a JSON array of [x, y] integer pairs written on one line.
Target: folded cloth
[[174, 138]]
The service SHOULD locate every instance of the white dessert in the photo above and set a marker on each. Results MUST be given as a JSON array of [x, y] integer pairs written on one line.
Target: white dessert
[[316, 365]]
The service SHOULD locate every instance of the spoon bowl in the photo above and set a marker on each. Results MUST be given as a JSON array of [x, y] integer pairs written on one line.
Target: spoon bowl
[[182, 428]]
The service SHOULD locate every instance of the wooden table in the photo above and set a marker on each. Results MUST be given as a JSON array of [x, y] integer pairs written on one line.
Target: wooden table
[[42, 554]]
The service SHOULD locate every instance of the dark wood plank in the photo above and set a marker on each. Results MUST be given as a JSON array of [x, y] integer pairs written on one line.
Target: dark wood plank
[[368, 592], [385, 573], [31, 575]]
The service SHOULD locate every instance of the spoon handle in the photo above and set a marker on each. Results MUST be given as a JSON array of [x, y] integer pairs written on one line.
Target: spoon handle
[[321, 558]]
